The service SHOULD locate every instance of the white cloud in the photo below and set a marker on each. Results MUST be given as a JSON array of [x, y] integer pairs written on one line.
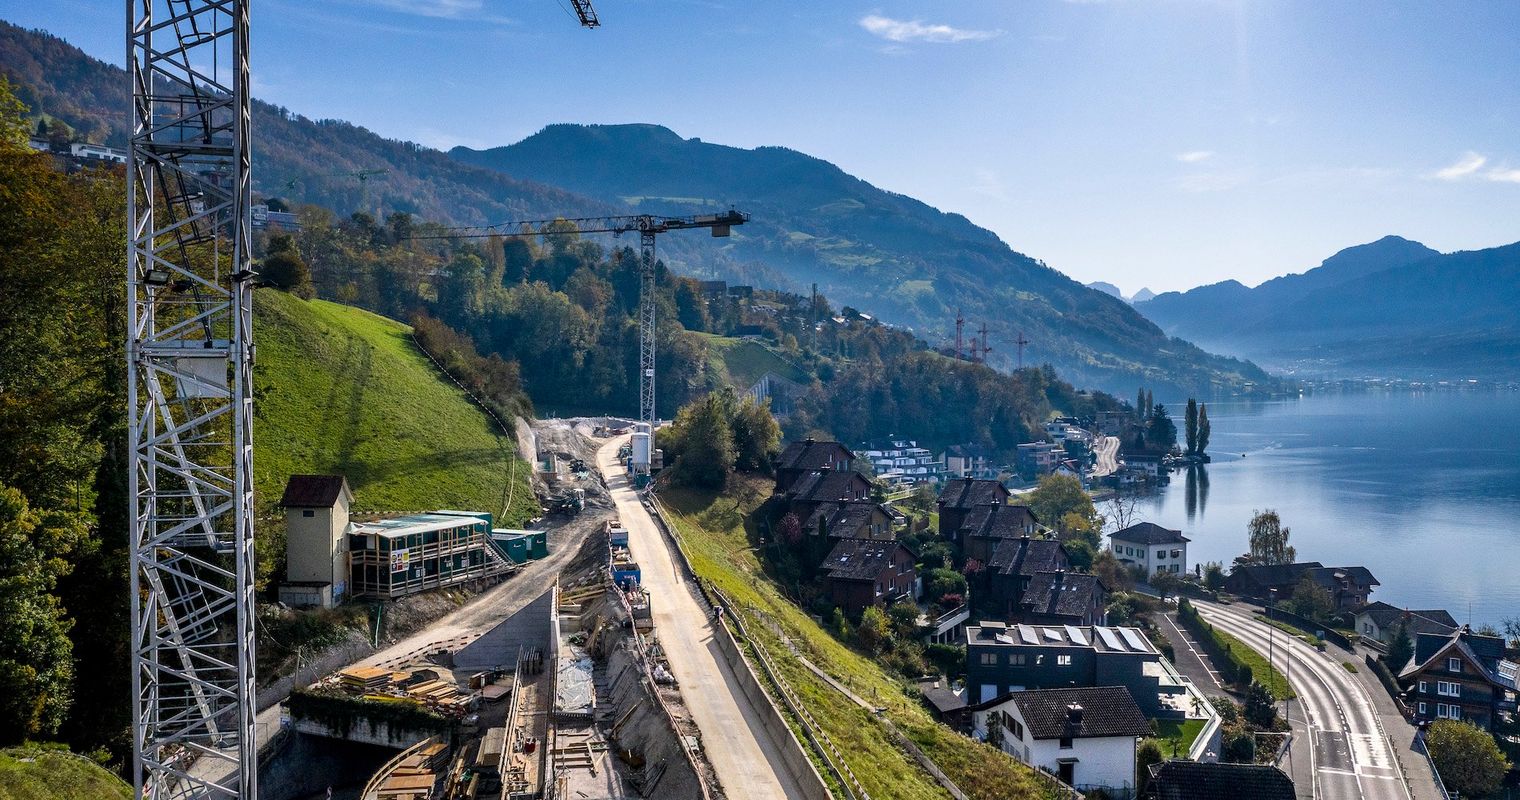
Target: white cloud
[[1195, 156], [898, 30], [473, 10], [1504, 175], [1466, 167]]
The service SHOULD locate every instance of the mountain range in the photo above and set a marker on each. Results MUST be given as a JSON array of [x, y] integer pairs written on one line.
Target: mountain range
[[890, 255], [1389, 308]]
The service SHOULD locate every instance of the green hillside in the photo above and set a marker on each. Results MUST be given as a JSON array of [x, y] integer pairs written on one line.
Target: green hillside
[[34, 774], [341, 390], [746, 361]]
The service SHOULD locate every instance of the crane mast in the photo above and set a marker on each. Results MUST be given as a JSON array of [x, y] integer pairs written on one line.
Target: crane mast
[[648, 226]]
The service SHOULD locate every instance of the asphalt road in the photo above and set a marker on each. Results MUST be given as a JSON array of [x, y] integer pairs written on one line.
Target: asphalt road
[[1106, 449], [1351, 753], [748, 763]]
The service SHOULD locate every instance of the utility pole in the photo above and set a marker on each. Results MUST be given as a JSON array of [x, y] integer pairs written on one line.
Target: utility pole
[[190, 400], [983, 349], [960, 322], [1021, 341]]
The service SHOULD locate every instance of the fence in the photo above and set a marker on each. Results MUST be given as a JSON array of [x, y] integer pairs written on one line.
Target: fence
[[1419, 740], [1319, 629]]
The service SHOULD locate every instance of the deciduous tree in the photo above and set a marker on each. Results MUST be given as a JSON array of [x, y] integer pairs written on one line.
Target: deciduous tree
[[1269, 539], [1467, 757], [1058, 495]]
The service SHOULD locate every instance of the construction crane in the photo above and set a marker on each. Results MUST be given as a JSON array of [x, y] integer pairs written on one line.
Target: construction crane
[[189, 346], [586, 13], [981, 349], [1021, 341], [648, 226]]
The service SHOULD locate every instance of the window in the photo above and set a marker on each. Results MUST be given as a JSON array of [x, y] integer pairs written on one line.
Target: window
[[1065, 742], [1448, 688], [989, 658], [1176, 554], [1422, 687], [1016, 660], [1422, 706], [1161, 554], [308, 513], [1063, 661], [1453, 665]]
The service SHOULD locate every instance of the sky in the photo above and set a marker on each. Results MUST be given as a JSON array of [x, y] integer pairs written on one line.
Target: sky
[[1148, 143]]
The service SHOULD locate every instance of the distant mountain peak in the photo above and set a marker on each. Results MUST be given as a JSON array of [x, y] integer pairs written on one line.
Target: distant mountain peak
[[1142, 296]]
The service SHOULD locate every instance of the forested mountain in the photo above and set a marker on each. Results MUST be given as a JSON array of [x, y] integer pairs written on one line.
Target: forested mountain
[[890, 255], [906, 262], [1390, 308]]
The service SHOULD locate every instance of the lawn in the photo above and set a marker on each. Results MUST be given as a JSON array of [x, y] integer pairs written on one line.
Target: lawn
[[712, 530], [1185, 731], [28, 773], [1261, 672], [746, 361], [1307, 637]]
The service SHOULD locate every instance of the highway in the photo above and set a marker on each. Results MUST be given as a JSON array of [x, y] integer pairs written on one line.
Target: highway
[[1352, 754], [748, 763]]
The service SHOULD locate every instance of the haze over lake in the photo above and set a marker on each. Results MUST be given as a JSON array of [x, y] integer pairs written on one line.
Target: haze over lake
[[1421, 488]]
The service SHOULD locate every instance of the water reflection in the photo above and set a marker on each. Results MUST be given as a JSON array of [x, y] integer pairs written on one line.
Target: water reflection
[[1196, 494]]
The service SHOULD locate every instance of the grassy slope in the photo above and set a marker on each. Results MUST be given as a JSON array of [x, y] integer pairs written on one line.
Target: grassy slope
[[341, 390], [746, 361], [55, 775], [713, 533]]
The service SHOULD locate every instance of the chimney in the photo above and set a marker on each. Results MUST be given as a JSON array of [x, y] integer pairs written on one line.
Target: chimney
[[1074, 714]]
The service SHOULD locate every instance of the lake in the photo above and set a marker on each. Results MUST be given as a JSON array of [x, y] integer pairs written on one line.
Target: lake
[[1421, 488]]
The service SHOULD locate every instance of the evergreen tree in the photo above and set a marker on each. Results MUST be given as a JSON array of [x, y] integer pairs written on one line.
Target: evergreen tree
[[1150, 404], [1203, 429], [1401, 649], [1190, 420], [1140, 407]]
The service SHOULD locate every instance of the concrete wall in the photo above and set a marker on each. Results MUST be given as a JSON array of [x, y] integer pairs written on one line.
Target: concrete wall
[[307, 765], [363, 731]]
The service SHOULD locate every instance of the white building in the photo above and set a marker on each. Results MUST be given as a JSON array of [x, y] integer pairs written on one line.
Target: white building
[[1152, 547], [1084, 736], [99, 152], [901, 461]]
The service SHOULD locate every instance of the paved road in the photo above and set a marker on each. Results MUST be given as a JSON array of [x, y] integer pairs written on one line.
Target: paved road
[[747, 762], [1351, 753], [1106, 449]]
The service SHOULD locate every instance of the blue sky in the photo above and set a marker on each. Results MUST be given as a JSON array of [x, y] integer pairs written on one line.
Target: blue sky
[[1160, 143]]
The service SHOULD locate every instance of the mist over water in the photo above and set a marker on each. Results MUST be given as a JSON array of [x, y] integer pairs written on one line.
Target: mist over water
[[1421, 488]]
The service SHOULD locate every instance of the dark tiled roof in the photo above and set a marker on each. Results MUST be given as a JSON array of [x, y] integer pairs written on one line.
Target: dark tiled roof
[[841, 519], [1326, 576], [997, 521], [1027, 557], [1484, 652], [1420, 621], [1106, 711], [1199, 780], [859, 559], [971, 492], [808, 454], [1067, 594], [828, 486], [314, 491], [1149, 533], [943, 700], [1276, 574]]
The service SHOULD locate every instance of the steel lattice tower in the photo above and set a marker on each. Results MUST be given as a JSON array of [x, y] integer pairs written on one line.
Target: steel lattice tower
[[189, 352], [646, 327]]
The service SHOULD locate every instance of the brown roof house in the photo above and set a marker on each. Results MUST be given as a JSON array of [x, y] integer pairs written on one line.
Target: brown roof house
[[1064, 598], [983, 527], [801, 458], [864, 572], [316, 541], [998, 590], [963, 494], [1463, 676]]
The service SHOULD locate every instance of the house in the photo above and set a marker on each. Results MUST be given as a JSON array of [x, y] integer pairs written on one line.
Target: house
[[1150, 547], [852, 519], [1086, 736], [968, 461], [316, 542], [1176, 779], [1038, 458], [1463, 675], [810, 491], [1146, 464], [807, 456], [999, 588], [944, 704], [984, 526], [1349, 587], [1064, 598], [902, 461], [861, 573], [1381, 621], [1057, 428], [1003, 658], [98, 152], [962, 495]]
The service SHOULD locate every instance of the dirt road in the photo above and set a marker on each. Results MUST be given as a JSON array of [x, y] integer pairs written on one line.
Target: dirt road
[[741, 752]]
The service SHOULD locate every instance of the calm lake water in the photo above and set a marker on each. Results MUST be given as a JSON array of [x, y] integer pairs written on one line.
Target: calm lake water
[[1421, 488]]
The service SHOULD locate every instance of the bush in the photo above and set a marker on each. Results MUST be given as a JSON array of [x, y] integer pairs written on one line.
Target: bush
[[1466, 756], [1259, 709], [942, 581], [1148, 753], [949, 658]]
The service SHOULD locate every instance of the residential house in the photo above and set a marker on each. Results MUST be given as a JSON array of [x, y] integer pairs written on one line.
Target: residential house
[[1150, 547], [984, 526], [828, 486], [1349, 587], [902, 461], [946, 705], [1176, 779], [969, 461], [1144, 464], [1463, 675], [1003, 658], [316, 540], [1057, 428], [1086, 736], [808, 456], [864, 572], [98, 152], [850, 519], [1038, 458], [999, 588], [960, 496], [1381, 621], [1064, 598]]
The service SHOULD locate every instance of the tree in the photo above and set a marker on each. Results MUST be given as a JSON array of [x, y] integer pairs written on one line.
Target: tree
[[945, 581], [1058, 495], [706, 440], [1190, 421], [13, 127], [1311, 601], [874, 631], [1160, 431], [1213, 576], [1269, 539], [1081, 554], [1150, 404], [1148, 753], [789, 529], [1259, 709], [1164, 582], [1203, 429], [1467, 757], [284, 270], [1511, 628], [37, 548], [757, 437], [904, 618], [1401, 649], [1112, 573], [1141, 409], [1121, 511]]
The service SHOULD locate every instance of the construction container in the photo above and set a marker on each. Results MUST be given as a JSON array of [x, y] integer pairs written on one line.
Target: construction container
[[641, 451]]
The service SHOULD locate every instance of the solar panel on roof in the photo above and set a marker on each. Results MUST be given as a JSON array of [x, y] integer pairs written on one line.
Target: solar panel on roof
[[1133, 637], [1027, 634], [1109, 639], [1054, 634], [1076, 635]]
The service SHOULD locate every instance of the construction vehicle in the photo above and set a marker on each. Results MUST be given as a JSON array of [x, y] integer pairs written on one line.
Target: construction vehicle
[[569, 503]]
